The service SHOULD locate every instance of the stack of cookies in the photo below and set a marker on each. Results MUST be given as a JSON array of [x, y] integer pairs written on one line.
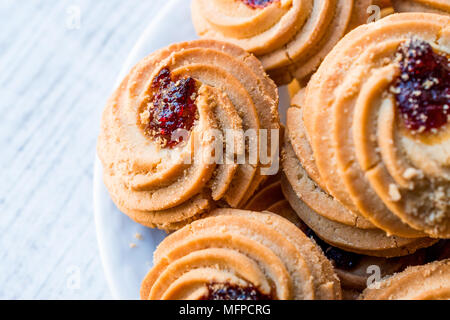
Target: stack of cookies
[[162, 142], [367, 178], [191, 141], [290, 37]]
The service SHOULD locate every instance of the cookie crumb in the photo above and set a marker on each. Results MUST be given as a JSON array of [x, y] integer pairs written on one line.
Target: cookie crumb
[[139, 236], [145, 117], [436, 217], [411, 173], [394, 193]]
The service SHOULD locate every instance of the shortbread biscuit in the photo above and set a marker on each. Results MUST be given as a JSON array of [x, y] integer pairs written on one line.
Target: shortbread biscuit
[[431, 6], [311, 193], [373, 242], [290, 37], [235, 254], [270, 198], [298, 157], [266, 197], [374, 153], [427, 282], [164, 129]]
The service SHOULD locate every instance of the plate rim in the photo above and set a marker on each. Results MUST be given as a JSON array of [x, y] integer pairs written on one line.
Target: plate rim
[[98, 184], [97, 180]]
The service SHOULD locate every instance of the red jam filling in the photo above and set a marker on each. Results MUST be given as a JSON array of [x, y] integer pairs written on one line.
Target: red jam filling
[[258, 3], [227, 291], [171, 106], [422, 90]]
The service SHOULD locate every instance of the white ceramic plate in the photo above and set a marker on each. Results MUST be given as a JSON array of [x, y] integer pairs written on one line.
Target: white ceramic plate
[[125, 267]]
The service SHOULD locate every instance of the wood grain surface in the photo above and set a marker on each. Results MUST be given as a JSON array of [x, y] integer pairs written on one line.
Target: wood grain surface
[[58, 64]]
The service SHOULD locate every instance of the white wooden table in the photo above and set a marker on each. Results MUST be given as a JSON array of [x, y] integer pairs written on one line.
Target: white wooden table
[[58, 64]]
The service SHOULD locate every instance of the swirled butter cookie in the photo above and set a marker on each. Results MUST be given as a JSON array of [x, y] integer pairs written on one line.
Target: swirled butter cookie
[[357, 271], [353, 269], [290, 37], [300, 169], [332, 221], [431, 6], [240, 255], [377, 116], [427, 282], [270, 198], [351, 243], [372, 242], [164, 136], [266, 197], [439, 251]]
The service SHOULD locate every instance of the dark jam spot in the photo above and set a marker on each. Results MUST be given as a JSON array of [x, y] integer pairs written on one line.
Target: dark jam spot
[[438, 251], [258, 3], [226, 291], [340, 258], [171, 107], [422, 91]]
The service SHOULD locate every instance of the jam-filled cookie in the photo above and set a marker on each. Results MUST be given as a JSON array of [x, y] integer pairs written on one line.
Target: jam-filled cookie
[[164, 132], [427, 282], [290, 37], [332, 221], [240, 255], [377, 117], [353, 269], [357, 271]]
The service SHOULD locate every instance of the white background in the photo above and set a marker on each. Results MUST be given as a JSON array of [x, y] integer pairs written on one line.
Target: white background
[[55, 77]]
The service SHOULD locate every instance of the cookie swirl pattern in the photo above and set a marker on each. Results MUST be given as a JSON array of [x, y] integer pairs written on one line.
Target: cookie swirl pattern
[[164, 127], [237, 254], [290, 37], [350, 267], [376, 113], [427, 282], [431, 6]]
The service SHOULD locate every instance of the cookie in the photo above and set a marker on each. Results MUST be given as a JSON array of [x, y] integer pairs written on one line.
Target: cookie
[[299, 140], [290, 37], [266, 197], [431, 6], [372, 242], [380, 141], [236, 254], [310, 192], [284, 209], [356, 278], [163, 140], [357, 271], [427, 282], [270, 198], [353, 269]]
